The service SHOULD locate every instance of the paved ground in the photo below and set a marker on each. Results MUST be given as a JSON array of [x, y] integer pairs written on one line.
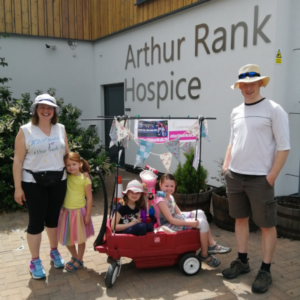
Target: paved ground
[[161, 283]]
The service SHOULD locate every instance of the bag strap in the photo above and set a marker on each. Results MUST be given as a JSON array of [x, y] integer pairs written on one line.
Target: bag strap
[[31, 172]]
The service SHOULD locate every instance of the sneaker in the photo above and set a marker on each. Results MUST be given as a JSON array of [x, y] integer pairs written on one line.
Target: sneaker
[[236, 268], [36, 269], [218, 249], [262, 282], [57, 259]]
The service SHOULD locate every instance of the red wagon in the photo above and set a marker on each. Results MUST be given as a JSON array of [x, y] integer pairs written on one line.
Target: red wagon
[[149, 251]]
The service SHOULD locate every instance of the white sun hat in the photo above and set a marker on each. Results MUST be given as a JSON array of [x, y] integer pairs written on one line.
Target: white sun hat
[[250, 73], [134, 186], [44, 99]]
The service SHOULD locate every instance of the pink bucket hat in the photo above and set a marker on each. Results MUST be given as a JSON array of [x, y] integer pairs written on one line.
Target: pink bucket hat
[[134, 186], [250, 73]]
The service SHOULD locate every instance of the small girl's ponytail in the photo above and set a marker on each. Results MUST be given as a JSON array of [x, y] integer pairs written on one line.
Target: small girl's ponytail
[[84, 166], [157, 187]]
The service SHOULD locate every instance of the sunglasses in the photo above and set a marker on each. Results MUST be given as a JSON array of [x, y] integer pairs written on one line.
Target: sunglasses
[[248, 74]]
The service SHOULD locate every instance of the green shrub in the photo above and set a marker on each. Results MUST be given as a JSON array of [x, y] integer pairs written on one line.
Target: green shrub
[[221, 190], [15, 112], [187, 177], [220, 178]]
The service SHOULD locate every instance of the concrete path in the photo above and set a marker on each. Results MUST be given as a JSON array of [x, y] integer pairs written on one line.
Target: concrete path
[[160, 283]]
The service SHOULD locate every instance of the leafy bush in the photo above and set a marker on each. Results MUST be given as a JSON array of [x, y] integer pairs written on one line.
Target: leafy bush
[[221, 190], [187, 177], [15, 112], [221, 177]]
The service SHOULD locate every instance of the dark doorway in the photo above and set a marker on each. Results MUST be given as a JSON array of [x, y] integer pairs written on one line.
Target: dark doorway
[[113, 106]]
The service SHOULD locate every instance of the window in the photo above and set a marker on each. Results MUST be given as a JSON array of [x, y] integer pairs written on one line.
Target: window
[[140, 2]]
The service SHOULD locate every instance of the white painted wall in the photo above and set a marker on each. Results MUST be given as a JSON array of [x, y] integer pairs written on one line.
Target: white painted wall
[[80, 79], [32, 66], [285, 88]]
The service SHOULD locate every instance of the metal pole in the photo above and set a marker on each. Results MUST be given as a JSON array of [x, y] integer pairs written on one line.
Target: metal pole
[[120, 118], [116, 194], [199, 164], [188, 188], [112, 200], [299, 181]]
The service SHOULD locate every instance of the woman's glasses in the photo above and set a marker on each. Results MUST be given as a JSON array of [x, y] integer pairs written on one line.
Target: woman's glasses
[[46, 107], [248, 74]]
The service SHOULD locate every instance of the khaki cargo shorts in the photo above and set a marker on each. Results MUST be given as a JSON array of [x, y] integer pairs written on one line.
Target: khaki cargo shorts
[[251, 194]]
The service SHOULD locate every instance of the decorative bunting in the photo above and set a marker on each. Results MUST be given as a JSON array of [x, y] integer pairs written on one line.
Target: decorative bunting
[[196, 155], [125, 141], [166, 160], [204, 133], [143, 152], [122, 132], [113, 134], [119, 157], [186, 147], [173, 146], [194, 129]]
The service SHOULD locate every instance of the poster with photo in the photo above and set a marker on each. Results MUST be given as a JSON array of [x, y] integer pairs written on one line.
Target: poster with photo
[[162, 131], [155, 131]]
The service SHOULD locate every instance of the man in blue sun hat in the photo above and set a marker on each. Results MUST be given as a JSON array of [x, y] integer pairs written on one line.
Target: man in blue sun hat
[[258, 148]]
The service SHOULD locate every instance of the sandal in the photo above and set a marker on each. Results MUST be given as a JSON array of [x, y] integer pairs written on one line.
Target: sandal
[[218, 249], [212, 262], [73, 267]]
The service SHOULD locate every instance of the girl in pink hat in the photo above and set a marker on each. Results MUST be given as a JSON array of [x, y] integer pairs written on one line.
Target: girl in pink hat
[[125, 217]]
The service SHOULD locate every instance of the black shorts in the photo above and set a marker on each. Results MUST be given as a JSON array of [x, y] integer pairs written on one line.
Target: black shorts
[[251, 193], [43, 205]]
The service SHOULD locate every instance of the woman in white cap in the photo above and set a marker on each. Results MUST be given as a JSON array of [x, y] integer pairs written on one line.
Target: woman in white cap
[[40, 177], [125, 218]]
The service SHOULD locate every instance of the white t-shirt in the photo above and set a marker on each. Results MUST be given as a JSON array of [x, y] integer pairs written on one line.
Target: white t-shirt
[[44, 153], [257, 131]]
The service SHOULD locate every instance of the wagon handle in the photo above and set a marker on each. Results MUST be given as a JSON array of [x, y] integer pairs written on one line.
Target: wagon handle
[[100, 236]]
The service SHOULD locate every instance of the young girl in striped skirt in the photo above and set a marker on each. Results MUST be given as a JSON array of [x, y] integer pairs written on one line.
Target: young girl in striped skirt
[[75, 223]]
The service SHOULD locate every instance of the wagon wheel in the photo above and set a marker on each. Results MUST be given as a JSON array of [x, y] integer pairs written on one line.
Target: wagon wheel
[[190, 264], [112, 273]]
